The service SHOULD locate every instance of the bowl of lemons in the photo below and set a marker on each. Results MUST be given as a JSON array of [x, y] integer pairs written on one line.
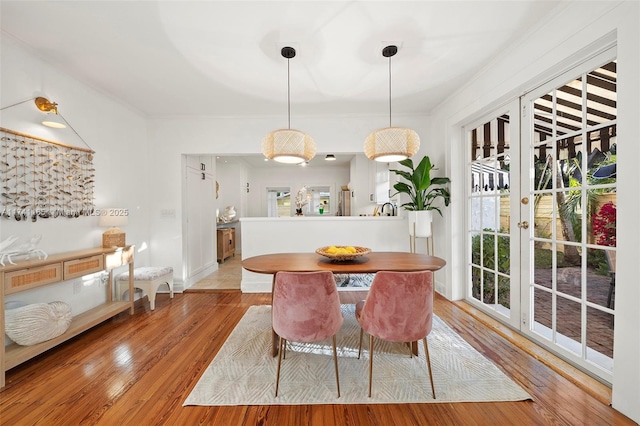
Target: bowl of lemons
[[342, 253]]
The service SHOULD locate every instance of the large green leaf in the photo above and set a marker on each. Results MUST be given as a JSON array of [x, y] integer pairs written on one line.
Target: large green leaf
[[422, 174], [421, 189]]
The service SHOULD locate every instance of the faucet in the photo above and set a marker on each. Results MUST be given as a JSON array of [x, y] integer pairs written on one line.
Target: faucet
[[393, 209]]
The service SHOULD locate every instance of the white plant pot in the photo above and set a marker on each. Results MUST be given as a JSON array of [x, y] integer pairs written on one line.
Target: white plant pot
[[422, 220]]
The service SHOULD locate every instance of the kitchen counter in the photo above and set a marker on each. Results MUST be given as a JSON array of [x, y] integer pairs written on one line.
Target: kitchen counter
[[300, 234]]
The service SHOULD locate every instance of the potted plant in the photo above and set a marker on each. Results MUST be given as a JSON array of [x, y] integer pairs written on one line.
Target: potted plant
[[423, 192]]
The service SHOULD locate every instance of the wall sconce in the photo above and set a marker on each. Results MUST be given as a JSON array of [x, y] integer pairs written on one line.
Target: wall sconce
[[114, 236], [53, 119]]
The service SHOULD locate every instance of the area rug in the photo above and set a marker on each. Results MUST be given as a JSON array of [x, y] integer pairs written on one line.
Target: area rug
[[244, 373]]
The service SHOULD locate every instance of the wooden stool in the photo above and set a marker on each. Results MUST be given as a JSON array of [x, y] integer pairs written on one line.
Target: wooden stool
[[147, 278]]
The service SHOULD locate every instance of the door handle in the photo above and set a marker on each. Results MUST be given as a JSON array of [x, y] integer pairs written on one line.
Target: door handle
[[523, 225]]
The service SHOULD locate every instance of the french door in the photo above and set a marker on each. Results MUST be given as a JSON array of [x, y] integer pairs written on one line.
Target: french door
[[493, 237], [541, 229], [569, 126]]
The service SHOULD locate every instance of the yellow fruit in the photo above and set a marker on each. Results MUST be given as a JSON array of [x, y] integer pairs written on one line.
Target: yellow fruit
[[341, 250]]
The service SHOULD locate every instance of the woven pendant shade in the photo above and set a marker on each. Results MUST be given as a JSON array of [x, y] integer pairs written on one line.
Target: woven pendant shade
[[391, 144], [288, 146]]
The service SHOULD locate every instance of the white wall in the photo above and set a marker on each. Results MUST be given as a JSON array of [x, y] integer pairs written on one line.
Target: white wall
[[232, 180], [116, 134], [546, 50]]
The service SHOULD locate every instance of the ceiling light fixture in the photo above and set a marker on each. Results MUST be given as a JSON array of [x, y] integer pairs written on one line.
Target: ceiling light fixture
[[330, 157], [288, 145], [391, 143], [53, 119]]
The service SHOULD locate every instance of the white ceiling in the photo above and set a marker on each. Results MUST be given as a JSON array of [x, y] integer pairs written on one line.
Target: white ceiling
[[222, 58]]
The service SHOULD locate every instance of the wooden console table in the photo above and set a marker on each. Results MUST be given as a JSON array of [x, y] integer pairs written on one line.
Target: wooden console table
[[34, 273]]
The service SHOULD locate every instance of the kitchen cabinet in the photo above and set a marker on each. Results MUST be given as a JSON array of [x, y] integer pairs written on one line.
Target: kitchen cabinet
[[226, 238]]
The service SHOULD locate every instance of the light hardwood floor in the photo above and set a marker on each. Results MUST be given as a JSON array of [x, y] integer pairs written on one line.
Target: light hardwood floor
[[138, 370]]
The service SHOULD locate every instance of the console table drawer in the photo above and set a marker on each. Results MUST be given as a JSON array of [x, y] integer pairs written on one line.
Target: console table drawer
[[84, 266], [24, 279]]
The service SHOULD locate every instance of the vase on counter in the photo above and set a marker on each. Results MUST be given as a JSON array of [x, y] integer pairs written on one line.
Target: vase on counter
[[298, 212], [229, 214]]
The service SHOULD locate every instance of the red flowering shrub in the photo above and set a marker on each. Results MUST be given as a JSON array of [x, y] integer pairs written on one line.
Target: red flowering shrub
[[604, 225]]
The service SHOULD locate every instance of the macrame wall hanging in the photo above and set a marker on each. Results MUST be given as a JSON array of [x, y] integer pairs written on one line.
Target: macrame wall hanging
[[44, 179]]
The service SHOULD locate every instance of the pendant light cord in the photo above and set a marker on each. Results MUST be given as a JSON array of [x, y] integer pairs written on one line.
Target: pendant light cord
[[389, 91], [288, 95]]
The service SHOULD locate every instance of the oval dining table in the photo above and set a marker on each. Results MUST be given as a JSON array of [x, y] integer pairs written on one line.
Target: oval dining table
[[370, 263]]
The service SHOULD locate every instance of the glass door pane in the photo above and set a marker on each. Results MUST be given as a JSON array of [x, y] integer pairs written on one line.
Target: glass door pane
[[568, 277], [493, 253]]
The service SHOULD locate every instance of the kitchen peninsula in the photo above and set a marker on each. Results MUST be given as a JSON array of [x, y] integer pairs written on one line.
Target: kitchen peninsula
[[264, 235]]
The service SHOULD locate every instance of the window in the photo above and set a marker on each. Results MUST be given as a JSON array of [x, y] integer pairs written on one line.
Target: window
[[278, 202]]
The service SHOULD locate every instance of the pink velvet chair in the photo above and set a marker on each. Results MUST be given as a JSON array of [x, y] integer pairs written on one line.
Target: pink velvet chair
[[398, 308], [306, 308]]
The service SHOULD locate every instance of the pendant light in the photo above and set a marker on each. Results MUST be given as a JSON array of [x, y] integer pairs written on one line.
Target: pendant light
[[391, 143], [288, 145]]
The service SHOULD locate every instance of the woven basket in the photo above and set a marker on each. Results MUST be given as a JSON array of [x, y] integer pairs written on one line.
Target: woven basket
[[360, 251], [37, 322]]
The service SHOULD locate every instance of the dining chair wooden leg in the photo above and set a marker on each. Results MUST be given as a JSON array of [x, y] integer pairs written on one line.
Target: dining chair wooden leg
[[335, 362], [426, 352], [360, 346], [370, 362], [280, 349]]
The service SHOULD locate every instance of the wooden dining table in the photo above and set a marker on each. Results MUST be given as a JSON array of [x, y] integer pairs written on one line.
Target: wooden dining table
[[370, 263]]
